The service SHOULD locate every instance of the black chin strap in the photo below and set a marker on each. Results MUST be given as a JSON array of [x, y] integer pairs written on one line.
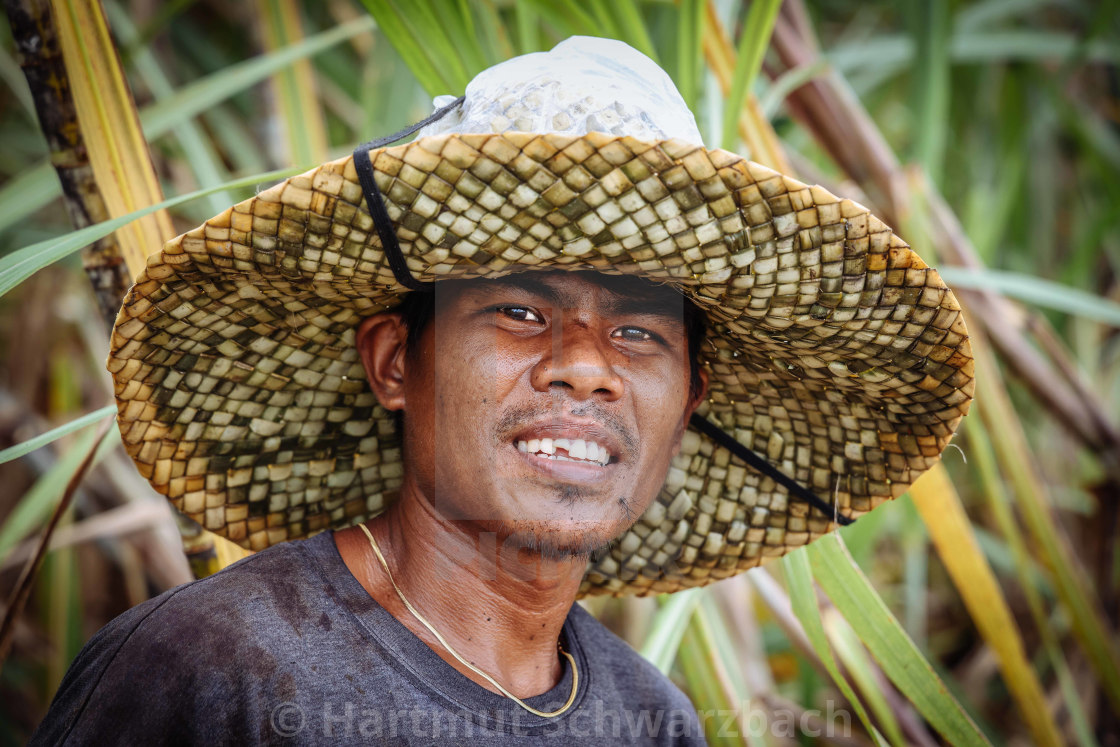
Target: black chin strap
[[717, 434], [376, 204], [392, 248]]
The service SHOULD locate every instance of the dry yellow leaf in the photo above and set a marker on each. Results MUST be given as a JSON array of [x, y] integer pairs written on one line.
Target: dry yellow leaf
[[118, 151], [951, 532]]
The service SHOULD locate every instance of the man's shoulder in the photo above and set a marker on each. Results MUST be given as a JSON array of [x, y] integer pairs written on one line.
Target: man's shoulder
[[251, 586], [199, 643]]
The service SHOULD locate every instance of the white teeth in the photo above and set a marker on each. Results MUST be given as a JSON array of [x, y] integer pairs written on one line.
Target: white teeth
[[575, 450]]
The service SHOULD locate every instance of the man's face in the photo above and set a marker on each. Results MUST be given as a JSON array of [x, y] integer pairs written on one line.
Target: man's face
[[546, 406]]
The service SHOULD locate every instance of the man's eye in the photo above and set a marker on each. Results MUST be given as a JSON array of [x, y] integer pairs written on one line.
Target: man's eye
[[632, 334], [520, 313]]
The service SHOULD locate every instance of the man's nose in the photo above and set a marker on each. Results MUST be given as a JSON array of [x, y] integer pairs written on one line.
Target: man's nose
[[580, 362]]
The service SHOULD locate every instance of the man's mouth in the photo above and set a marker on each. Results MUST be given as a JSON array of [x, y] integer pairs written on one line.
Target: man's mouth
[[567, 450]]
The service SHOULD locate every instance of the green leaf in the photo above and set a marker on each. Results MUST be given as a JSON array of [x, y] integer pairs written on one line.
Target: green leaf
[[604, 21], [896, 52], [690, 33], [202, 158], [1075, 590], [422, 55], [213, 89], [668, 626], [527, 22], [632, 29], [296, 101], [27, 192], [860, 668], [973, 17], [23, 263], [460, 27], [900, 659], [930, 27], [495, 40], [788, 82], [569, 17], [1035, 291], [15, 452], [935, 497], [748, 61], [11, 74], [704, 689], [37, 186], [803, 598], [441, 34], [706, 656], [36, 505], [1032, 580]]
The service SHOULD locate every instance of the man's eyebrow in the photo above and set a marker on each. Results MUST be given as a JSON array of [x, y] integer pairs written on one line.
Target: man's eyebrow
[[522, 281], [666, 306], [657, 301]]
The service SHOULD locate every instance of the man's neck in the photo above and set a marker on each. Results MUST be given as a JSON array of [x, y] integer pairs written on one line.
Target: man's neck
[[499, 606]]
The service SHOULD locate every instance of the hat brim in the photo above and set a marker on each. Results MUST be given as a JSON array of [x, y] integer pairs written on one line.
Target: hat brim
[[833, 349]]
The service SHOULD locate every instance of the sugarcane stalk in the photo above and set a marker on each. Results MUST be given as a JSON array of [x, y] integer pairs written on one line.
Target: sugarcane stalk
[[89, 118], [41, 60]]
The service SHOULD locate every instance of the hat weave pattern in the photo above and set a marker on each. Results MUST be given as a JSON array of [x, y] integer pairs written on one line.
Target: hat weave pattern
[[833, 349]]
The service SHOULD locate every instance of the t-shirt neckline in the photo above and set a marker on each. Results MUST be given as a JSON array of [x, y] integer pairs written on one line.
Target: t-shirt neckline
[[458, 693]]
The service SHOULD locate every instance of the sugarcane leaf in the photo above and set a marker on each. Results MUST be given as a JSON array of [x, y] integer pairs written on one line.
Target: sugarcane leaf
[[1079, 598], [752, 46], [631, 27], [38, 502], [19, 265], [110, 128], [664, 637], [895, 52], [38, 185], [297, 102], [527, 22], [705, 656], [929, 24], [941, 510], [859, 665], [1033, 582], [803, 598], [1036, 291], [900, 659], [690, 33], [430, 56], [203, 159], [18, 450]]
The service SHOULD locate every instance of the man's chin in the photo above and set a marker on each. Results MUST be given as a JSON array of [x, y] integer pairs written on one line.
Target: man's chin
[[580, 544]]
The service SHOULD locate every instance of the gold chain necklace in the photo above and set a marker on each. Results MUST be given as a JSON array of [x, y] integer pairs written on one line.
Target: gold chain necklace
[[464, 662]]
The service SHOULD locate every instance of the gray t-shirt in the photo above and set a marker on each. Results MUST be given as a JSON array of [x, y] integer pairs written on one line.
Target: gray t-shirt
[[286, 645]]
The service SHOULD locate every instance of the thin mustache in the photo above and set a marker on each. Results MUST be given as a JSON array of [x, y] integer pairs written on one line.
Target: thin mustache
[[519, 417]]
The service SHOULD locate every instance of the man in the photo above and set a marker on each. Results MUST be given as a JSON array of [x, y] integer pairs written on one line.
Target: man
[[544, 388]]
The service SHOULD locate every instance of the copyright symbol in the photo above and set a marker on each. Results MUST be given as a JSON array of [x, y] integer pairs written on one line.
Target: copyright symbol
[[287, 719]]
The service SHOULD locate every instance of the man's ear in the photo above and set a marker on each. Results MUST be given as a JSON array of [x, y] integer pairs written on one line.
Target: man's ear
[[701, 393], [693, 402], [381, 342]]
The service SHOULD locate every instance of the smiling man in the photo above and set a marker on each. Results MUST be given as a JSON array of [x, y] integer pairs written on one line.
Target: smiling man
[[540, 413], [552, 348]]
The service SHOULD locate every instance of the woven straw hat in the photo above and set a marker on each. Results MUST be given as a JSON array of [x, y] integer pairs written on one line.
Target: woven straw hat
[[833, 350]]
